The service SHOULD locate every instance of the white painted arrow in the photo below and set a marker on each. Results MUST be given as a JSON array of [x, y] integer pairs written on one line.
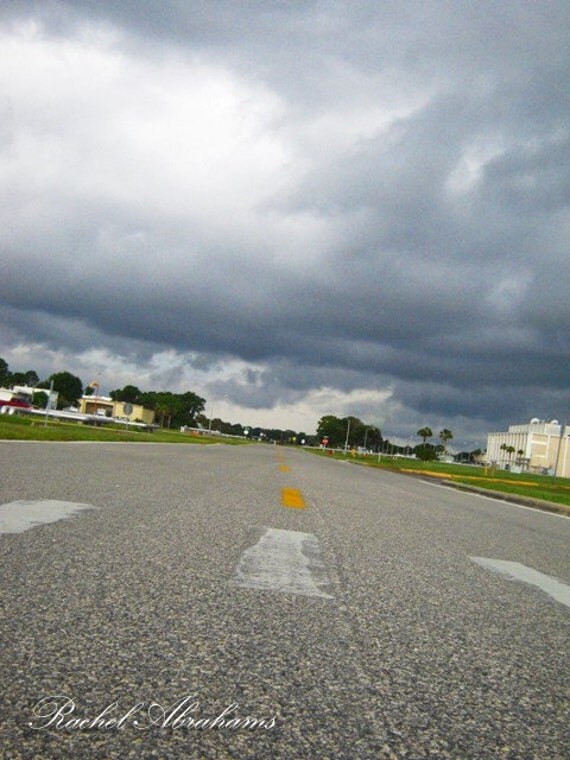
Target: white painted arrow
[[516, 571], [18, 516]]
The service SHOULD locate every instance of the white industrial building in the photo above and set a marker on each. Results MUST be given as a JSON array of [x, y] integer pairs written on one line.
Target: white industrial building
[[541, 446]]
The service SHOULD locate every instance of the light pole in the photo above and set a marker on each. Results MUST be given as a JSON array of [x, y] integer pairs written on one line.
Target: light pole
[[48, 403], [383, 448], [347, 432], [212, 413], [562, 431]]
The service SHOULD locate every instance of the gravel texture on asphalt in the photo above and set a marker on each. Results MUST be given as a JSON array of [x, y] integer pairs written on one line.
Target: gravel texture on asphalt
[[418, 652]]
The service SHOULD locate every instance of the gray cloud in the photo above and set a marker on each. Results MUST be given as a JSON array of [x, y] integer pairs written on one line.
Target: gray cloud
[[337, 195]]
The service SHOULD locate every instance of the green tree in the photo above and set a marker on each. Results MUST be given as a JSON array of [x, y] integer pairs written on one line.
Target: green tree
[[163, 404], [129, 394], [173, 409], [426, 452], [29, 378], [333, 428], [191, 405], [17, 378], [425, 433], [32, 378], [40, 399], [68, 386], [372, 438], [10, 379], [355, 429], [359, 432], [201, 421], [4, 373]]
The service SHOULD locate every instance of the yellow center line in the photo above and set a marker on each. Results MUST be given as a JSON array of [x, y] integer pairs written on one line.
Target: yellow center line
[[291, 497], [284, 468]]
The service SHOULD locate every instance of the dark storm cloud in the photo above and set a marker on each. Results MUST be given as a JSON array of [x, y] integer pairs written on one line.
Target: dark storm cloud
[[346, 195]]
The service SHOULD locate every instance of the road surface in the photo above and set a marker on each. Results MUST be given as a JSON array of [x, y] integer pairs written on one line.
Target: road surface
[[261, 602]]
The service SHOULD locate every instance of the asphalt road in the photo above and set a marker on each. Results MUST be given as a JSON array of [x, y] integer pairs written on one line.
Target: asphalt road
[[349, 623]]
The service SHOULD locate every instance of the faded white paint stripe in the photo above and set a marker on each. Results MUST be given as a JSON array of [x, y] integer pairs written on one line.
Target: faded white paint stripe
[[18, 516], [516, 571], [285, 561]]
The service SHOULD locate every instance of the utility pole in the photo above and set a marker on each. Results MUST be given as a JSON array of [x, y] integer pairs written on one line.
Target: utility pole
[[562, 431], [48, 403], [347, 432]]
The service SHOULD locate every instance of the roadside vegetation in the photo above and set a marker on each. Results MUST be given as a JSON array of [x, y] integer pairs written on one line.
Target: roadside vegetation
[[541, 487], [172, 411], [13, 427]]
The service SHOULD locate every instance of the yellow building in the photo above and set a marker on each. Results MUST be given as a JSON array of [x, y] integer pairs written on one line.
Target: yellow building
[[104, 406], [539, 446]]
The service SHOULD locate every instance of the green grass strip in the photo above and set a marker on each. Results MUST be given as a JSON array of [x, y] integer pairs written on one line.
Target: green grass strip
[[13, 427], [540, 487]]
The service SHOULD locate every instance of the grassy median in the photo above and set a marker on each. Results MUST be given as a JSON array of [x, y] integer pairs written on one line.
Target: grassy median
[[14, 428], [540, 487]]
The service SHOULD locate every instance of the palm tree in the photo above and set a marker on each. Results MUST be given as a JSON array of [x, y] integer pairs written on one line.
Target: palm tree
[[425, 433], [503, 447], [445, 436], [509, 450]]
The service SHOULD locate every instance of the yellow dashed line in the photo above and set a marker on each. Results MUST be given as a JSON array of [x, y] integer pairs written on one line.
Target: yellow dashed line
[[284, 468], [291, 497]]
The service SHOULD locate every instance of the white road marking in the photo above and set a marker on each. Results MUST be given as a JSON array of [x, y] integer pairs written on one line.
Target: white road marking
[[285, 561], [516, 571], [18, 516]]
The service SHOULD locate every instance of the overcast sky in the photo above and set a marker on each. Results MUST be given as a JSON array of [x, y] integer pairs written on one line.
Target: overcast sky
[[293, 208]]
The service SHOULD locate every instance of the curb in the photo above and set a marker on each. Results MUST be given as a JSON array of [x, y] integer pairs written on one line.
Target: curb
[[523, 501]]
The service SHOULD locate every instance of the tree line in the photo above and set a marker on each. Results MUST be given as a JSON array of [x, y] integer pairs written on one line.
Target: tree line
[[427, 451], [348, 431], [351, 432], [172, 410], [10, 379], [175, 410]]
